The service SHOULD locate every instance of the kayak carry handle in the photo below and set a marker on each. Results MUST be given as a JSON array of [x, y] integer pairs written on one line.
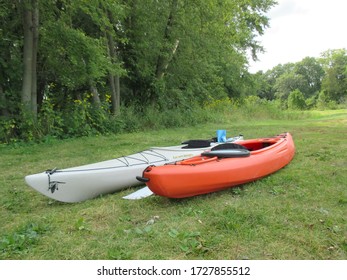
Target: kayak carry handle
[[142, 179]]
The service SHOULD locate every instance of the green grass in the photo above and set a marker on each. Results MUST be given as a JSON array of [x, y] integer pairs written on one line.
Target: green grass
[[299, 212]]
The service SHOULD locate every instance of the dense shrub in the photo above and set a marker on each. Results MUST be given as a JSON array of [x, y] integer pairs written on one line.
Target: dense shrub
[[296, 100], [324, 102]]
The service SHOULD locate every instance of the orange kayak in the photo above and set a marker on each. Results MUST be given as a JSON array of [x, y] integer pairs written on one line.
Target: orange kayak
[[222, 167]]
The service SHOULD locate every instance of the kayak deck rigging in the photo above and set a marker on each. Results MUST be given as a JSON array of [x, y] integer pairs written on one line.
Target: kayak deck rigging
[[124, 160]]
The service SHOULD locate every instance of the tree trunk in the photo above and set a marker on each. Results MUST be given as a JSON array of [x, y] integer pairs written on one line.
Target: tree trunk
[[95, 94], [113, 79], [163, 62], [3, 109], [34, 61], [30, 46], [170, 44], [27, 56], [115, 93]]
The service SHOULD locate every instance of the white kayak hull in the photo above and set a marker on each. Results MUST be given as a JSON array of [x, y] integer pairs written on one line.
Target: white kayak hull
[[80, 183]]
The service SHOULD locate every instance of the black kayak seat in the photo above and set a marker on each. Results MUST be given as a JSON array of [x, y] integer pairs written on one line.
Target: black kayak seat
[[229, 146], [190, 144]]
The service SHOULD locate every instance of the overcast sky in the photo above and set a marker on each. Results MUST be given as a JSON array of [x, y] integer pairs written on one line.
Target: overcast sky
[[300, 28]]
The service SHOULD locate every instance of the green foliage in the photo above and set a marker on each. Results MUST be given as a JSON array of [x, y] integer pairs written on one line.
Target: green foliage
[[82, 118], [312, 72], [51, 121], [253, 107], [76, 59], [296, 100], [322, 81], [288, 83], [199, 53], [7, 130], [189, 242], [20, 241], [334, 83], [197, 62], [324, 101], [311, 102]]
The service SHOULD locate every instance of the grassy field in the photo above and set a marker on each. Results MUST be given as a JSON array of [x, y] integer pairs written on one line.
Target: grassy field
[[300, 212]]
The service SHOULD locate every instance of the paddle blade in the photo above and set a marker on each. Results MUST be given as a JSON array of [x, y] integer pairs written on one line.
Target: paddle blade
[[139, 194]]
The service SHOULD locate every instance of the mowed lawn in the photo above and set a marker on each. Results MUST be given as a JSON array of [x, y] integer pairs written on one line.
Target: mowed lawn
[[299, 212]]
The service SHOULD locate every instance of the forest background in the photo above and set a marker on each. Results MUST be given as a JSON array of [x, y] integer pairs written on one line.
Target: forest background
[[78, 68]]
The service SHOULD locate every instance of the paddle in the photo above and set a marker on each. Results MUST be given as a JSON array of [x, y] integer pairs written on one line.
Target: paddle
[[139, 194]]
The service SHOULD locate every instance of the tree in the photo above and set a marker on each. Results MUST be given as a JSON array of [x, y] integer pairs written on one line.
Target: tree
[[195, 48], [11, 63], [334, 83], [84, 34], [108, 16], [4, 12], [287, 83], [269, 79], [312, 72], [262, 87]]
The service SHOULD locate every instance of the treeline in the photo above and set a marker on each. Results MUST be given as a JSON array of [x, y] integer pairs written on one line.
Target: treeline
[[74, 67], [311, 83]]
